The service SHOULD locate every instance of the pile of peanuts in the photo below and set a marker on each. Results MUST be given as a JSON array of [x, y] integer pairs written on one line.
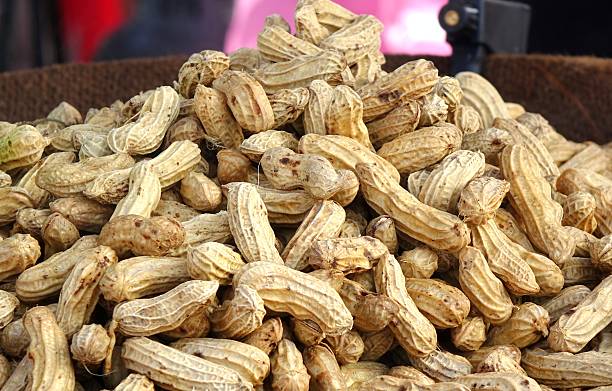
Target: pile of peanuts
[[293, 217]]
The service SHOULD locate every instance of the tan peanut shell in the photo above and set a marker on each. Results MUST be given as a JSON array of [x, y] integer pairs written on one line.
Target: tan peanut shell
[[286, 206], [346, 254], [71, 179], [174, 209], [163, 364], [287, 368], [504, 260], [444, 305], [138, 277], [301, 70], [530, 197], [383, 229], [356, 39], [135, 382], [433, 109], [254, 146], [206, 227], [20, 146], [248, 221], [431, 226], [19, 378], [470, 334], [490, 141], [307, 26], [408, 82], [344, 153], [446, 182], [387, 383], [371, 312], [186, 128], [213, 261], [288, 290], [143, 195], [250, 363], [480, 199], [591, 157], [466, 118], [146, 134], [58, 233], [412, 330], [377, 344], [548, 275], [420, 262], [266, 336], [17, 253], [39, 196], [277, 45], [288, 105], [528, 323], [500, 360], [347, 347], [5, 370], [579, 211], [306, 332], [142, 236], [601, 253], [66, 113], [240, 316], [8, 304], [143, 317], [321, 95], [566, 370], [416, 150], [200, 192], [482, 287], [564, 301], [218, 121], [403, 119], [482, 96], [498, 381], [366, 70], [246, 99], [46, 278], [90, 344], [322, 222], [410, 373], [197, 325], [201, 69], [288, 170], [521, 135], [87, 215], [580, 270], [5, 179], [442, 366], [323, 368], [31, 220], [344, 116], [507, 222], [13, 199], [51, 365], [573, 179], [576, 328], [80, 292], [357, 373]]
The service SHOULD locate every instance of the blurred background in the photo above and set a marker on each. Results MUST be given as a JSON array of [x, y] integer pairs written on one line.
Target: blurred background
[[34, 33]]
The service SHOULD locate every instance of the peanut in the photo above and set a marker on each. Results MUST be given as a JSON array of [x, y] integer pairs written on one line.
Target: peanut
[[13, 199], [577, 327], [399, 121], [21, 146], [528, 323], [240, 316], [286, 290], [433, 227], [219, 124], [90, 344], [466, 118], [175, 370], [250, 363], [266, 336], [201, 69], [135, 382], [249, 225], [445, 306], [482, 96], [344, 116], [323, 368], [142, 236], [376, 344], [39, 196], [87, 215], [17, 253], [143, 195], [58, 233], [579, 211], [470, 334], [80, 292], [203, 228], [51, 365], [442, 366], [498, 381], [288, 105], [480, 199], [8, 304], [256, 145], [287, 368]]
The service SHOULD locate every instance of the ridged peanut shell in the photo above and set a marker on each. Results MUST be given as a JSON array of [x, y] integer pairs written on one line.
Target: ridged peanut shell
[[401, 120], [528, 323], [240, 316], [287, 368], [482, 96], [219, 123], [13, 199], [21, 146], [444, 305], [17, 253], [213, 261], [480, 199], [201, 69]]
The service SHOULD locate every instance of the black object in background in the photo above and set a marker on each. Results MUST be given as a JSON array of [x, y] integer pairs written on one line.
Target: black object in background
[[571, 27], [162, 27], [475, 28]]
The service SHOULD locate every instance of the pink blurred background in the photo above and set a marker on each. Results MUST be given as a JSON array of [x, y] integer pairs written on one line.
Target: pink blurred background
[[411, 26]]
